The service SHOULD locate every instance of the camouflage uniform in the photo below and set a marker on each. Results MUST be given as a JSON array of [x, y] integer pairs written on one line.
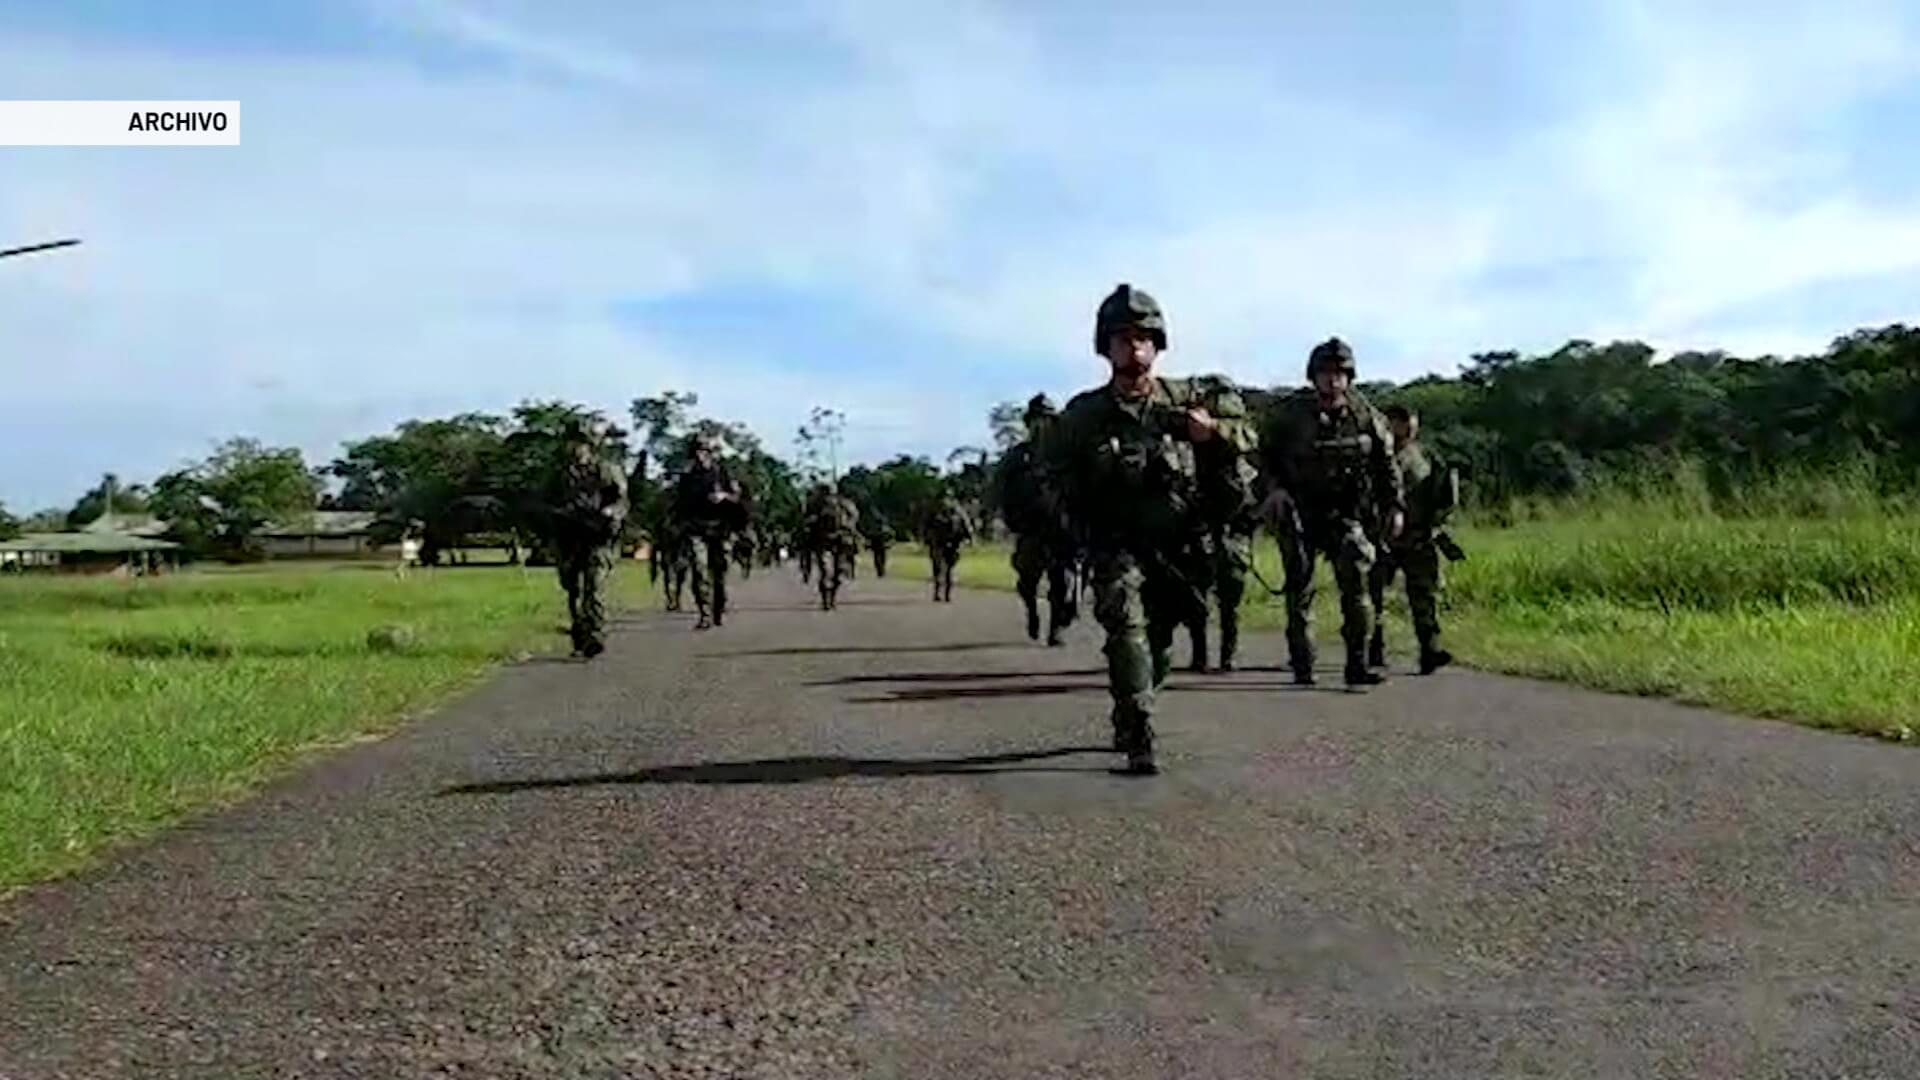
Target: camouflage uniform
[[1334, 481], [948, 527], [1129, 475], [708, 525], [670, 561], [743, 555], [1230, 506], [879, 538], [1431, 493], [833, 535], [1043, 545], [588, 509]]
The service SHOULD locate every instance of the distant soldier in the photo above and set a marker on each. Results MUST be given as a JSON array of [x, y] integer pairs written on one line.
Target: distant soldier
[[833, 533], [1432, 491], [1043, 543], [1329, 460], [1126, 457], [587, 508], [1230, 508], [743, 554], [710, 508], [879, 535], [947, 529], [672, 556]]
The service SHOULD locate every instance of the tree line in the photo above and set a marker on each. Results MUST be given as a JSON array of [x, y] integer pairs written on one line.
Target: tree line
[[1579, 418]]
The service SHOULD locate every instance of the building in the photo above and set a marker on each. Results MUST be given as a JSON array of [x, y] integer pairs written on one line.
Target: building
[[88, 553], [336, 534]]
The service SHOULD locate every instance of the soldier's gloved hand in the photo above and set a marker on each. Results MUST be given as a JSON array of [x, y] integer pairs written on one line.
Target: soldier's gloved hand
[[1396, 524], [1201, 426]]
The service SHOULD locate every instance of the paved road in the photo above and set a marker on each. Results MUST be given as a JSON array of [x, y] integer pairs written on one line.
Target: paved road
[[886, 843]]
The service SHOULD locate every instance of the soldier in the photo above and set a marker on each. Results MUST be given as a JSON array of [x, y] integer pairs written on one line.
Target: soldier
[[674, 557], [743, 554], [879, 539], [948, 527], [833, 532], [709, 507], [1043, 543], [587, 507], [1431, 492], [1230, 505], [1329, 458], [1126, 459]]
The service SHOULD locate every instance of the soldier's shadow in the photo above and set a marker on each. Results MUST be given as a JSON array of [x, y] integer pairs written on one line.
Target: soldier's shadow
[[794, 770]]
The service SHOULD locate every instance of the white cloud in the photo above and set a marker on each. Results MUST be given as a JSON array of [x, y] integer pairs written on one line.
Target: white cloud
[[395, 233]]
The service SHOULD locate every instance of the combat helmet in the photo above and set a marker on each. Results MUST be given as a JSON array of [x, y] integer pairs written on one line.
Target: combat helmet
[[1126, 307], [1039, 407], [1330, 353]]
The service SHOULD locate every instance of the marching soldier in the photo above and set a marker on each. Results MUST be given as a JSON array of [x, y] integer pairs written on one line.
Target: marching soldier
[[1432, 492]]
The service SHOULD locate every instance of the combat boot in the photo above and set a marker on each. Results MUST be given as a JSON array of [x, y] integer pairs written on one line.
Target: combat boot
[[1358, 674], [1433, 658], [1054, 640], [1033, 625], [1377, 649], [1229, 645], [592, 649], [1199, 664], [704, 623]]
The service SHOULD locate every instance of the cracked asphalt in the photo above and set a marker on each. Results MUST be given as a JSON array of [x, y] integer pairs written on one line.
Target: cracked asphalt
[[886, 842]]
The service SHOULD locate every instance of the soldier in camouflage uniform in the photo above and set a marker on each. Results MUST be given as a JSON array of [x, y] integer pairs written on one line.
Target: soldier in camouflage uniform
[[1432, 492], [947, 528], [743, 554], [1043, 544], [1329, 458], [879, 539], [587, 508], [1230, 504], [1126, 458], [709, 507], [833, 534]]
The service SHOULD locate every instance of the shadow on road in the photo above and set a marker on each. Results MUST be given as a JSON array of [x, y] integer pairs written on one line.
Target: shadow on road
[[962, 693], [861, 650], [953, 676], [793, 770]]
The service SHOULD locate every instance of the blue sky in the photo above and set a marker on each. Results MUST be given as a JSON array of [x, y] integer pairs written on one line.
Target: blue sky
[[908, 211]]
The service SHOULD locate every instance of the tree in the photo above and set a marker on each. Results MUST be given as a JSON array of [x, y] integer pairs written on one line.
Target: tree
[[219, 505], [9, 525], [89, 508], [440, 473], [822, 432], [1008, 422]]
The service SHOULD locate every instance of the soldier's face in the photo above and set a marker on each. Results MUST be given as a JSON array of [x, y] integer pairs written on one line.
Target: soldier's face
[[1132, 352], [1332, 383], [1402, 430]]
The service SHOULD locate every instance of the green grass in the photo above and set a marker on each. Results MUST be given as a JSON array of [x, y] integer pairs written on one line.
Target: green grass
[[132, 703], [1810, 619]]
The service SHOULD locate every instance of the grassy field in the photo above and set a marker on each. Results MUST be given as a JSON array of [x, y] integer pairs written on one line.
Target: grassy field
[[1810, 619], [131, 703]]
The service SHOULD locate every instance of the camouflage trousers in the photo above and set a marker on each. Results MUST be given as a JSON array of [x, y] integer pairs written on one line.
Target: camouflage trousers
[[944, 555], [1220, 566], [708, 567], [1342, 542], [673, 569], [1138, 602], [1034, 558], [805, 555], [583, 574], [879, 560], [1420, 562], [830, 569]]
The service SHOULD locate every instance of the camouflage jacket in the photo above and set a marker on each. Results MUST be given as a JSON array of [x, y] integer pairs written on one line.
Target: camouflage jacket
[[1334, 465], [1432, 491], [834, 523], [948, 525], [1126, 471], [590, 504], [694, 506], [1025, 503]]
